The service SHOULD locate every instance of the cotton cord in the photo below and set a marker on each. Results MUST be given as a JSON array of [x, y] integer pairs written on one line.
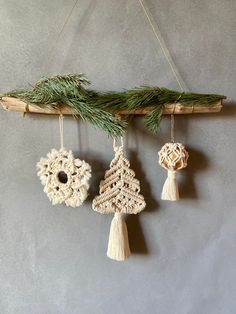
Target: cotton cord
[[167, 55], [55, 42], [172, 157], [119, 193], [61, 126], [74, 190], [163, 46], [121, 142], [172, 128], [172, 121]]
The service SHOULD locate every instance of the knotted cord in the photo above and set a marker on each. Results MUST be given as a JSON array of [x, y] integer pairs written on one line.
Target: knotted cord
[[160, 40], [61, 117]]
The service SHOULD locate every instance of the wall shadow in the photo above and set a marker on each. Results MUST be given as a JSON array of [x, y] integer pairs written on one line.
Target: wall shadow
[[98, 171], [229, 109], [137, 242], [197, 162], [145, 188]]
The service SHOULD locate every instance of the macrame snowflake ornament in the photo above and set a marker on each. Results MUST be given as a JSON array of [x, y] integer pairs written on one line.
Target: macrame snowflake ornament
[[65, 178], [119, 194], [172, 157]]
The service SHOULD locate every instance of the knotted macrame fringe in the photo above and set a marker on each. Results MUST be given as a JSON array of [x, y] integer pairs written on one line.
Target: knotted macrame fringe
[[170, 191], [118, 244]]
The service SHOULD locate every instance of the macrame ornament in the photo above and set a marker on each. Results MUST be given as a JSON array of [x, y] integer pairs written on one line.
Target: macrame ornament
[[119, 194], [65, 178], [173, 157]]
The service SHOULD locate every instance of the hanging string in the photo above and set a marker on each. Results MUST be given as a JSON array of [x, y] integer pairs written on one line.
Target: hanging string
[[168, 58], [48, 60], [172, 128], [163, 46], [121, 142], [56, 40], [61, 117], [118, 116]]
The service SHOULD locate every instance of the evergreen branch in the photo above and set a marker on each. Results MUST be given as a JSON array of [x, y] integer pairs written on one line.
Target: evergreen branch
[[98, 117], [97, 108], [153, 119], [74, 79], [140, 97], [144, 96], [111, 101]]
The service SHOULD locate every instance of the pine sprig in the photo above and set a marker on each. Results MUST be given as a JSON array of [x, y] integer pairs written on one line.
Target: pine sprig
[[97, 108], [153, 119], [140, 97], [98, 117], [111, 101], [74, 79], [51, 92]]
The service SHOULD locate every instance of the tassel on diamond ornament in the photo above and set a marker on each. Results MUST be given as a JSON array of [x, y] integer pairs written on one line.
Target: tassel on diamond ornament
[[172, 157]]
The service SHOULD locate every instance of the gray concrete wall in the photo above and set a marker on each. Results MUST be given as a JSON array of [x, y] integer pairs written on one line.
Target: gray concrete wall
[[53, 259]]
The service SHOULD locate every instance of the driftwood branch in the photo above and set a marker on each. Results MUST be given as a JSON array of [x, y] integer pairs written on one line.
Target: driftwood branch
[[14, 104]]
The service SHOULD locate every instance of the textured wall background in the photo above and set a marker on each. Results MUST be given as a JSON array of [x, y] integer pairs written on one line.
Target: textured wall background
[[53, 259]]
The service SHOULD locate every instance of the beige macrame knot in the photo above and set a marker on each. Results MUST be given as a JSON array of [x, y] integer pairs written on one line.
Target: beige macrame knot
[[119, 191], [172, 157], [171, 174], [65, 178]]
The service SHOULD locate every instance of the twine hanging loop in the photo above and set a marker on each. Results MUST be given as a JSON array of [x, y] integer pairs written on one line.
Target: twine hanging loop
[[61, 127]]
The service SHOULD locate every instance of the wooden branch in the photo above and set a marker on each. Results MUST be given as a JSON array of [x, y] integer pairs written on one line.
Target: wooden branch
[[14, 104]]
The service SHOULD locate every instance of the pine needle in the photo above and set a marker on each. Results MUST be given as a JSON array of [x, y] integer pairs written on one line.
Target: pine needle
[[97, 108], [153, 119]]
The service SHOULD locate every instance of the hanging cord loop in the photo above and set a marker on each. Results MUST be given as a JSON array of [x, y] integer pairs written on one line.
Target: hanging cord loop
[[177, 76], [172, 128], [172, 120], [121, 143], [61, 117], [118, 116], [163, 46], [55, 42]]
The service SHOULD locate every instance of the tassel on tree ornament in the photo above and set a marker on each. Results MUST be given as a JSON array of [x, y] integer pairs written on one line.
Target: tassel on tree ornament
[[119, 194], [172, 157], [118, 243]]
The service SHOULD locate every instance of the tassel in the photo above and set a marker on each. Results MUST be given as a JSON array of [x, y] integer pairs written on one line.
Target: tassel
[[118, 244], [170, 191]]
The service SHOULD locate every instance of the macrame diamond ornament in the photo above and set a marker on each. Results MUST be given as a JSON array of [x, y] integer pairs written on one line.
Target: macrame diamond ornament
[[119, 194], [172, 157]]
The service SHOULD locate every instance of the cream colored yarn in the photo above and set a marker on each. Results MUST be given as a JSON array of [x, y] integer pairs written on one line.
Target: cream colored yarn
[[75, 190], [173, 157], [119, 194], [119, 191]]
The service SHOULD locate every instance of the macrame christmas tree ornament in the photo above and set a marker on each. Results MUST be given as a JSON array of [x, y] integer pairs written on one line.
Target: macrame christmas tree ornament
[[65, 178], [119, 194], [172, 157]]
